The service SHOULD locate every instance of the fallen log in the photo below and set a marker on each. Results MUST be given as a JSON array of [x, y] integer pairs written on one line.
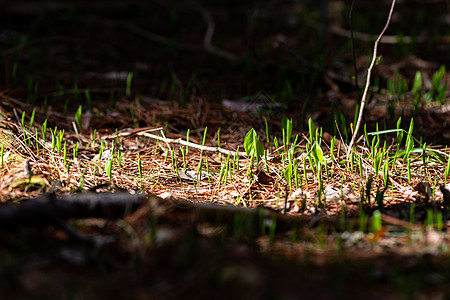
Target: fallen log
[[52, 209]]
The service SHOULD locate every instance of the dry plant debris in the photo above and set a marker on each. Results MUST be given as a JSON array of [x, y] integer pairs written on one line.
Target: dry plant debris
[[182, 167]]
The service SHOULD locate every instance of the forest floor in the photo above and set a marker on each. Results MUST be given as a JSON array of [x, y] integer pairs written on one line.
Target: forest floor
[[196, 149]]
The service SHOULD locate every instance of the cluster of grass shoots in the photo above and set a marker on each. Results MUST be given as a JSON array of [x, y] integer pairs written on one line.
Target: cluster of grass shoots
[[385, 160], [309, 163]]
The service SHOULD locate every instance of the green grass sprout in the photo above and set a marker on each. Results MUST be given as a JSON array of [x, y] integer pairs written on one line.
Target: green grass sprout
[[128, 85]]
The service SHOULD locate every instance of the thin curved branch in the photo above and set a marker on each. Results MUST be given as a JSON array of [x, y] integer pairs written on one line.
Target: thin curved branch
[[369, 73]]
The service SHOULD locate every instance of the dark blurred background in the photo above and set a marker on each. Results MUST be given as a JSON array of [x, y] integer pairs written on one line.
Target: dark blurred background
[[295, 51]]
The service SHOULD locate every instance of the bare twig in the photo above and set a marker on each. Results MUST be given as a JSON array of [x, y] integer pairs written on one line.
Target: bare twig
[[207, 40], [193, 145], [369, 72], [207, 46], [145, 132], [51, 210], [386, 39]]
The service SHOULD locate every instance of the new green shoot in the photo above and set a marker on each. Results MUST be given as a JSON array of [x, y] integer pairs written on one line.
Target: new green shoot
[[78, 115], [108, 168], [375, 225], [89, 100], [139, 166], [33, 113], [128, 86], [447, 170], [253, 146], [204, 136], [2, 153]]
